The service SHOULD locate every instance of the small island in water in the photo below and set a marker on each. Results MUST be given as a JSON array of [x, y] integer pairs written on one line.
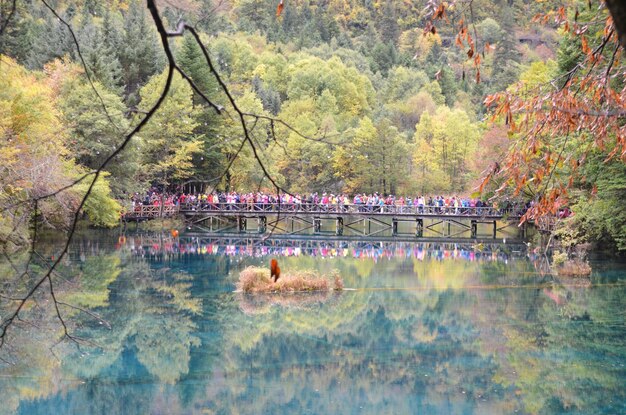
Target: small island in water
[[259, 280]]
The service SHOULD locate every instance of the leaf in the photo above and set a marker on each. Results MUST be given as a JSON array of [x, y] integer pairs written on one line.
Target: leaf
[[470, 53], [441, 11], [584, 45], [458, 41], [279, 8]]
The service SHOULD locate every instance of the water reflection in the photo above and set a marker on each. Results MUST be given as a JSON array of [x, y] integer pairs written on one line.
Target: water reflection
[[163, 246], [440, 332]]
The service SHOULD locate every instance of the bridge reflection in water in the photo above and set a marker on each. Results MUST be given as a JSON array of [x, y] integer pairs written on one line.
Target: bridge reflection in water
[[162, 247]]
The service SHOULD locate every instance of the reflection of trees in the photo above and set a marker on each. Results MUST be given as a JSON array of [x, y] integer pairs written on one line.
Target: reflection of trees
[[151, 312], [436, 347], [152, 333], [330, 359], [416, 336], [558, 342]]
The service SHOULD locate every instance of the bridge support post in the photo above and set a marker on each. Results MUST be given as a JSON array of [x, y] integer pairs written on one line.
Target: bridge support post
[[317, 225], [339, 226], [495, 229], [262, 224], [394, 227], [474, 228], [241, 223], [523, 230], [419, 228]]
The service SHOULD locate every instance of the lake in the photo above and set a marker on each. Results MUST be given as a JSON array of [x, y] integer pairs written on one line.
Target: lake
[[425, 328]]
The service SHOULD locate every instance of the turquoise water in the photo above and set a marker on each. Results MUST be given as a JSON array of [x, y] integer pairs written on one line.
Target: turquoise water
[[425, 328]]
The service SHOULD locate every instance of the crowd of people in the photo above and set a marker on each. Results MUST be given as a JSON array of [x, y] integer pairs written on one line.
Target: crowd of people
[[372, 202]]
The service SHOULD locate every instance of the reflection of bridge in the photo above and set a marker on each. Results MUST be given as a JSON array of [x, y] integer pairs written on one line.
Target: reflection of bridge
[[162, 246], [356, 220]]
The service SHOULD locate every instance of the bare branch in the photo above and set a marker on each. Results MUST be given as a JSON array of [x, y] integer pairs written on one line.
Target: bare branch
[[9, 17], [8, 322], [91, 313], [218, 108]]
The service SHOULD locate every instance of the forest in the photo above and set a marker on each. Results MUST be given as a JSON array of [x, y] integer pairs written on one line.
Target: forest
[[339, 96]]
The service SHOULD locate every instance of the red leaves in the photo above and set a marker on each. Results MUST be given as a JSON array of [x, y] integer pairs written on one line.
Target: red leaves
[[279, 8]]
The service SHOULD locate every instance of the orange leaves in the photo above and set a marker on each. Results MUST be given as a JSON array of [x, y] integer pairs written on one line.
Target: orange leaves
[[440, 13], [279, 8], [584, 45]]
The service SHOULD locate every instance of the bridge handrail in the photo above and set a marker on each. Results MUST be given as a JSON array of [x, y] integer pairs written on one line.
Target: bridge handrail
[[484, 211], [152, 211]]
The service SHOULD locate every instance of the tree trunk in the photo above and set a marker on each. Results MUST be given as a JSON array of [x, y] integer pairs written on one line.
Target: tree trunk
[[617, 8]]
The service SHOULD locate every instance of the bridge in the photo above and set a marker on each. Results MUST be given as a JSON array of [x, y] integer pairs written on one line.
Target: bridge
[[345, 219]]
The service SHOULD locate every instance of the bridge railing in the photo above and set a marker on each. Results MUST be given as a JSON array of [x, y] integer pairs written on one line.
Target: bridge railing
[[349, 208], [152, 211]]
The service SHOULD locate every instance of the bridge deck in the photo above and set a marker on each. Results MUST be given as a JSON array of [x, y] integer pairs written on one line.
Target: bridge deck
[[255, 209]]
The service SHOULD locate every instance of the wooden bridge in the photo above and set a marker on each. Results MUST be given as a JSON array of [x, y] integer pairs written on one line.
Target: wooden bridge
[[355, 220]]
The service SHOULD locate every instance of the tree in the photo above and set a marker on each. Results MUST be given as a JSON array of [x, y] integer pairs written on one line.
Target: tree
[[557, 125], [94, 132], [453, 138], [139, 57], [376, 160], [167, 142], [35, 161]]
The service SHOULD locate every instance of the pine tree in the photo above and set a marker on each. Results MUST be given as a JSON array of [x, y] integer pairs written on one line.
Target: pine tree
[[139, 59], [507, 57], [100, 58]]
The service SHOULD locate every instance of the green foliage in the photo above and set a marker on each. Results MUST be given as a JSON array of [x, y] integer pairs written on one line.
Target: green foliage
[[138, 55], [36, 161], [445, 143], [601, 216], [398, 106], [167, 142], [100, 207], [96, 133], [559, 258]]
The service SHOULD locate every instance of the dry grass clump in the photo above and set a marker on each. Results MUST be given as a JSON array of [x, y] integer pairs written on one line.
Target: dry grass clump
[[573, 268], [255, 279]]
